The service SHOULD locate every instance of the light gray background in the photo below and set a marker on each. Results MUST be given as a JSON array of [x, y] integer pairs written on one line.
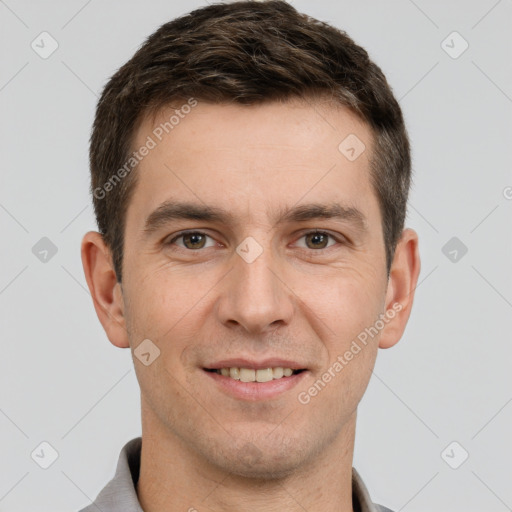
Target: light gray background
[[449, 377]]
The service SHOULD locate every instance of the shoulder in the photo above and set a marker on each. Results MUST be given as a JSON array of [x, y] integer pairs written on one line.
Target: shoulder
[[382, 508]]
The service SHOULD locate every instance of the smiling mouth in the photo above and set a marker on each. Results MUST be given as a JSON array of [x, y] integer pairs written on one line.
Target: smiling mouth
[[255, 375]]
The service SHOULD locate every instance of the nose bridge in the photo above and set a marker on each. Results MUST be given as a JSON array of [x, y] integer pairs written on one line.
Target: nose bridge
[[255, 296]]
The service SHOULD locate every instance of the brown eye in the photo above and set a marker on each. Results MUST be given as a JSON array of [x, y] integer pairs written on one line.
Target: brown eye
[[317, 240], [194, 240]]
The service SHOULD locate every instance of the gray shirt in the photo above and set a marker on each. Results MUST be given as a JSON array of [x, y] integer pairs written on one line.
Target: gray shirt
[[120, 494]]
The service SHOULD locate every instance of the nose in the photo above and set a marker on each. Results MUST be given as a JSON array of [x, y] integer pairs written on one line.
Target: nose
[[255, 295]]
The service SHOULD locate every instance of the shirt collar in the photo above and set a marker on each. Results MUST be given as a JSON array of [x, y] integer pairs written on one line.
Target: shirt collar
[[120, 494]]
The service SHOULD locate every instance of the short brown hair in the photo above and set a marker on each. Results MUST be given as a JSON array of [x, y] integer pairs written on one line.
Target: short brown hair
[[245, 52]]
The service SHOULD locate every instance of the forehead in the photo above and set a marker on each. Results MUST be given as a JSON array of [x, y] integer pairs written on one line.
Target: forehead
[[310, 124], [253, 158]]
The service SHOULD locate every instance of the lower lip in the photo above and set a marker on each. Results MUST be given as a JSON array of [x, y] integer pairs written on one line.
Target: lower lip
[[256, 390]]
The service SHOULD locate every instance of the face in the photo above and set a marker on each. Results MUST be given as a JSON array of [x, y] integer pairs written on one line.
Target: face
[[282, 266]]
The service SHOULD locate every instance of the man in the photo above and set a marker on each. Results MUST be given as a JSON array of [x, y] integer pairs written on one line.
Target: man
[[250, 172]]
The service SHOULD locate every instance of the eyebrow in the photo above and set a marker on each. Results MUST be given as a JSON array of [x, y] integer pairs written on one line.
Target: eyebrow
[[169, 211]]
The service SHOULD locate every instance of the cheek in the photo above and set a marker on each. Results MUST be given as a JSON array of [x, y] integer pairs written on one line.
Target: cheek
[[362, 301], [347, 301], [152, 307], [347, 309], [168, 308]]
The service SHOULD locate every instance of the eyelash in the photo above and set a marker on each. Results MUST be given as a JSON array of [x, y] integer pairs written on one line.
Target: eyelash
[[312, 232]]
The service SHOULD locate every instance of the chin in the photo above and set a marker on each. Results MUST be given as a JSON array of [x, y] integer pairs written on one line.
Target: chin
[[261, 460], [264, 469]]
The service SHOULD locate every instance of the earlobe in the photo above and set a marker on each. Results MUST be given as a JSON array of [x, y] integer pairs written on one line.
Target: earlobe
[[402, 282], [105, 291]]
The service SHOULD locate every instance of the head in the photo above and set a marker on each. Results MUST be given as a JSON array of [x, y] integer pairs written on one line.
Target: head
[[277, 144]]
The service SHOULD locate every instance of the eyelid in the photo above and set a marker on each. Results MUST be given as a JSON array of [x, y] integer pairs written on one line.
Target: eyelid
[[339, 238], [180, 234]]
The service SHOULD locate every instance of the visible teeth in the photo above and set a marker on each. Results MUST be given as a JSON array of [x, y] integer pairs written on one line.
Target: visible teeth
[[264, 375], [278, 372], [252, 375], [247, 375]]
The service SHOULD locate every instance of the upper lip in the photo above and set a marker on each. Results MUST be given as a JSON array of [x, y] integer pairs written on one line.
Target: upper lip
[[257, 365]]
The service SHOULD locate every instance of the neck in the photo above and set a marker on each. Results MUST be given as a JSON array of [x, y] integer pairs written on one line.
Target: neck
[[174, 477]]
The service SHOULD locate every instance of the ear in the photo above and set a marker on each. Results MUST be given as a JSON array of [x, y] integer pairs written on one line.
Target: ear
[[402, 282], [106, 292]]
